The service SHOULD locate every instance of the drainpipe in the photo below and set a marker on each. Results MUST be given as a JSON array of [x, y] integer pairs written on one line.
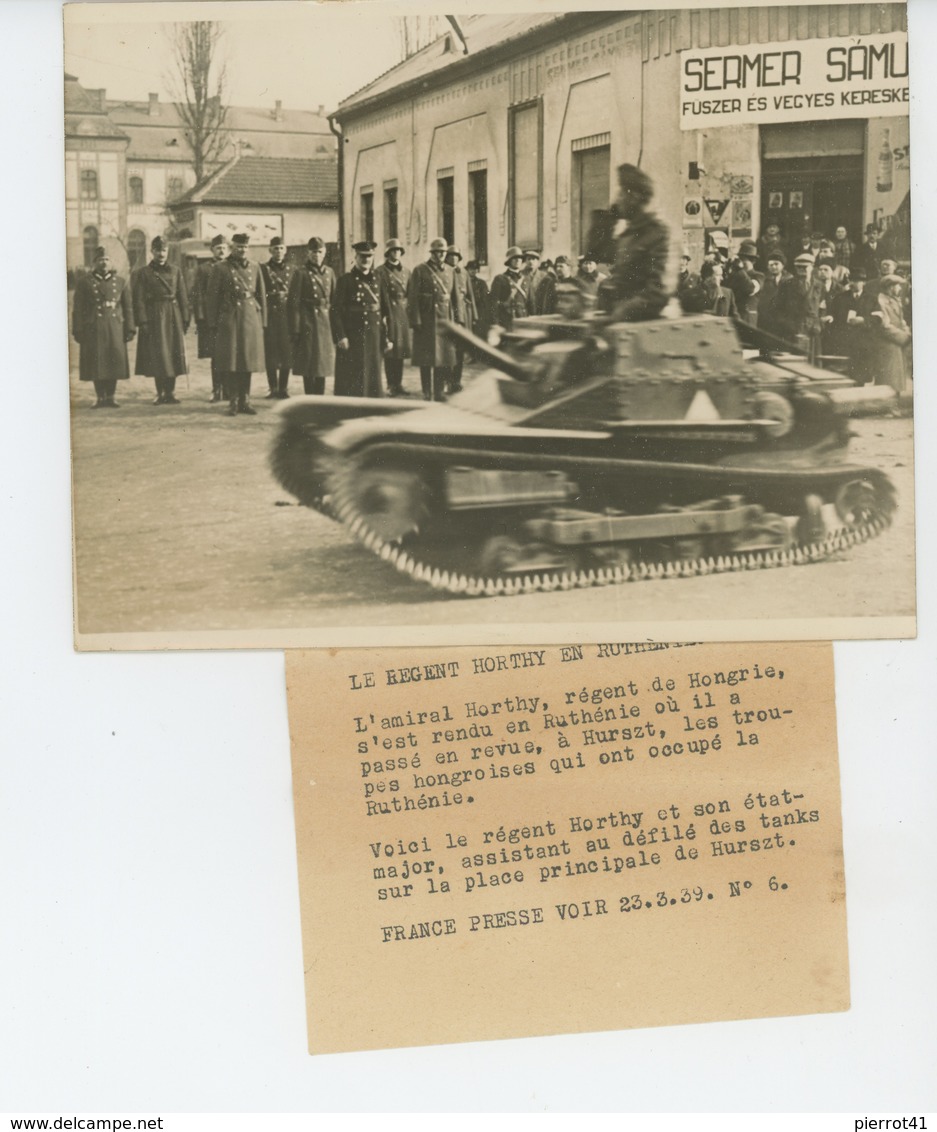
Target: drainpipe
[[341, 191]]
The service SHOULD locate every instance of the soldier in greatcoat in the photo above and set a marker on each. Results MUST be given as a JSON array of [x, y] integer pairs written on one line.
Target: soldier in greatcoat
[[358, 327], [312, 290], [482, 321], [635, 288], [536, 278], [393, 278], [161, 312], [433, 298], [510, 297], [102, 324], [219, 250], [237, 312], [463, 284], [278, 350]]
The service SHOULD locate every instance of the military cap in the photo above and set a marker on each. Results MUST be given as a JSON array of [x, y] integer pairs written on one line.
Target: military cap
[[158, 244], [472, 263], [631, 177], [532, 253], [393, 246], [315, 244], [513, 253], [453, 250], [100, 253], [276, 242], [561, 259], [805, 258], [686, 256], [438, 245], [241, 239], [777, 254], [364, 246], [218, 240], [748, 249], [588, 257]]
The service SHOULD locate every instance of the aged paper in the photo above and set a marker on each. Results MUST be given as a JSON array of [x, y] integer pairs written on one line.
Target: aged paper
[[499, 843]]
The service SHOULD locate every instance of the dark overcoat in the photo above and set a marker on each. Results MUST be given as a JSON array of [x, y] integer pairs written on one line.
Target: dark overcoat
[[537, 287], [161, 312], [102, 314], [200, 307], [720, 301], [357, 315], [773, 311], [312, 289], [510, 298], [277, 335], [482, 297], [432, 297], [463, 282], [393, 283], [635, 287], [237, 309]]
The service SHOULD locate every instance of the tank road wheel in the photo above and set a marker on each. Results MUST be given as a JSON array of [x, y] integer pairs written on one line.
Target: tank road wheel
[[858, 502], [768, 532], [811, 526], [391, 501], [773, 407], [499, 554]]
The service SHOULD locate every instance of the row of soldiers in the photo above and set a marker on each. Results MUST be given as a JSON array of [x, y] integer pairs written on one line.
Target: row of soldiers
[[282, 319]]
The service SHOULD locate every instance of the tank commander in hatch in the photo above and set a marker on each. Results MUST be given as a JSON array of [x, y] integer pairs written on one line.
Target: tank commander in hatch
[[635, 287]]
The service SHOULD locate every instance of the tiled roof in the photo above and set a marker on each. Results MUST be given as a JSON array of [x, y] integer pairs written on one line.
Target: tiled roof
[[270, 181], [482, 33], [85, 113]]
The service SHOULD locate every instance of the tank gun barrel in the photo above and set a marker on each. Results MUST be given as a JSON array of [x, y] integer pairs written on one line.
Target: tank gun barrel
[[492, 355]]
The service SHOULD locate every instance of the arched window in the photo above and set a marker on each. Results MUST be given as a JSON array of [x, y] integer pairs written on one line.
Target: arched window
[[90, 240], [89, 184], [136, 248], [136, 190], [174, 188]]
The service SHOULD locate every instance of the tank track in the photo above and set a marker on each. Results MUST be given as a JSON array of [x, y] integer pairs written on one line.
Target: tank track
[[339, 506]]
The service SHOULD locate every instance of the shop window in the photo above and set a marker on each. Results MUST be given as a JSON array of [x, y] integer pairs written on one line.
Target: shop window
[[367, 214], [90, 241], [525, 163], [136, 248], [136, 190], [390, 212], [478, 214], [174, 188]]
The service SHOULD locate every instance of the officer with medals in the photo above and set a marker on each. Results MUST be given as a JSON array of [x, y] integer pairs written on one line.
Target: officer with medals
[[161, 312], [219, 250], [392, 278], [358, 327], [311, 292], [102, 324], [237, 312], [277, 344]]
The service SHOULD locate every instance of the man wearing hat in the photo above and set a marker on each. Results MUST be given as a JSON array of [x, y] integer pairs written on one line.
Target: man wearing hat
[[482, 297], [161, 311], [745, 282], [464, 287], [219, 250], [433, 298], [312, 290], [849, 330], [771, 303], [510, 297], [827, 289], [563, 273], [890, 337], [237, 311], [392, 279], [278, 352], [102, 324], [799, 303], [536, 279], [589, 279], [358, 327], [635, 288], [868, 254]]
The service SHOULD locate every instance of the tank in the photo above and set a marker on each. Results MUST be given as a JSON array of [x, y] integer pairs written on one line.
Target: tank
[[591, 454]]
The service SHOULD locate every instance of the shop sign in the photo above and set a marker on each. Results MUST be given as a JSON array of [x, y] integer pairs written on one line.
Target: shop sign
[[855, 77], [716, 208]]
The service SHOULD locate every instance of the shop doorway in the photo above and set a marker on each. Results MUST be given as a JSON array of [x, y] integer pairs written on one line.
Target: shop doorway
[[812, 178], [591, 184]]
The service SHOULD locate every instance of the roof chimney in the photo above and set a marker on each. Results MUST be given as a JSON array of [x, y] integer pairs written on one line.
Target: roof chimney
[[278, 111], [153, 108]]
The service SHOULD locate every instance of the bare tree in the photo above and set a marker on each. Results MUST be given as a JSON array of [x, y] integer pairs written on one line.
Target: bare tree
[[197, 84]]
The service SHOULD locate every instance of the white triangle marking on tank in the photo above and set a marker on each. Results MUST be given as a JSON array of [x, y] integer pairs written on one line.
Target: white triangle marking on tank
[[702, 408]]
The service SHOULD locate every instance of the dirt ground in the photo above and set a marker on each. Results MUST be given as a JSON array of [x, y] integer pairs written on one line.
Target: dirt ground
[[181, 527]]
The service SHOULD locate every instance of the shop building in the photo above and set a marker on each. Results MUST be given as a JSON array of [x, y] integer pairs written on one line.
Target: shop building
[[508, 129]]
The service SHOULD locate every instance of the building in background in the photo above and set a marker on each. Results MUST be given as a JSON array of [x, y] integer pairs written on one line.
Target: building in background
[[127, 162], [740, 115]]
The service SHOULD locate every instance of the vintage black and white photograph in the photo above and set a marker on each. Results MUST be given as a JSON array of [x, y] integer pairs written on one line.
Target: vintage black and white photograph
[[497, 326]]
